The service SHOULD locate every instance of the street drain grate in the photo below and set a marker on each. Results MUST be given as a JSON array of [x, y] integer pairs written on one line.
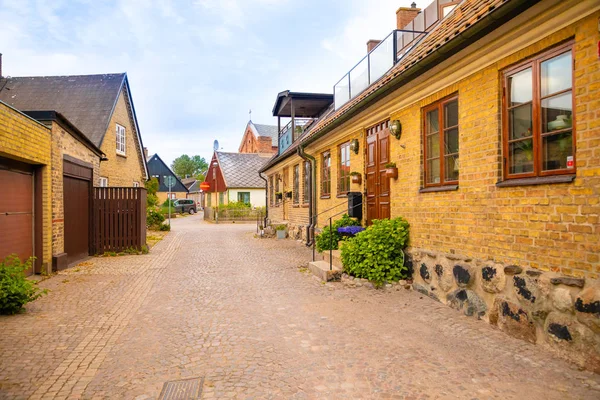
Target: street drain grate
[[184, 389]]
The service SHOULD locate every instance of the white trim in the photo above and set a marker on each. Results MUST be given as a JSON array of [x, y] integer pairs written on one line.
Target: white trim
[[121, 139], [103, 181]]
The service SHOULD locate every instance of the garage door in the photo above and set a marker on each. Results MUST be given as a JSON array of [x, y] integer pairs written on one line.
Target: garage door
[[76, 191], [16, 212]]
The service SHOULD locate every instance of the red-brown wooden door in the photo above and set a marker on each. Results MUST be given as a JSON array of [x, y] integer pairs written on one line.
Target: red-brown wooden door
[[378, 185], [16, 214], [77, 217]]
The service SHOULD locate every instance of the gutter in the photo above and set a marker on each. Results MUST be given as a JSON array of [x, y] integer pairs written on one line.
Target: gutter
[[312, 205], [266, 199], [490, 22]]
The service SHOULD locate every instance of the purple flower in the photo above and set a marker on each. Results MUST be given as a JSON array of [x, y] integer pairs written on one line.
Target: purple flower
[[350, 230]]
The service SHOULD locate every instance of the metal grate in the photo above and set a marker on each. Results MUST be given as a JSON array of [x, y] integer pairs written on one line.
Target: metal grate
[[184, 389]]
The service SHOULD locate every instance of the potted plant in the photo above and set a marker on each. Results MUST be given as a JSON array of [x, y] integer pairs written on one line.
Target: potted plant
[[391, 171], [281, 231], [356, 177], [262, 230], [288, 194], [278, 195]]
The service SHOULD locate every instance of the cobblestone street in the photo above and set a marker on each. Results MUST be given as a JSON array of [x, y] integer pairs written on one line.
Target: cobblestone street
[[212, 301]]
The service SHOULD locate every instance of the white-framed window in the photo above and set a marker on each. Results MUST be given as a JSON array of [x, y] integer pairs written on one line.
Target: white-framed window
[[136, 184], [103, 181], [120, 139], [173, 196]]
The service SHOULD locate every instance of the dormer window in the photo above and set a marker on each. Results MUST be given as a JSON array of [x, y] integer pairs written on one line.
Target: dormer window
[[120, 131]]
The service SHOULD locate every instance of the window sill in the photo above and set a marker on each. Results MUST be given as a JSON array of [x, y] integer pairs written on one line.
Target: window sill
[[342, 196], [121, 154], [536, 180], [326, 197], [447, 188]]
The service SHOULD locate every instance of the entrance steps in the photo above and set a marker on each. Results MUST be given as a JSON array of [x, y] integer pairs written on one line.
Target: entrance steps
[[320, 267]]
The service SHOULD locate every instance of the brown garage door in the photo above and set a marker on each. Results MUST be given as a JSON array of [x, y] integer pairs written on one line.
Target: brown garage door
[[76, 191], [16, 212]]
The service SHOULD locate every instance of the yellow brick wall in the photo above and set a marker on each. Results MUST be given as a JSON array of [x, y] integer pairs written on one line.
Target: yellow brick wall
[[26, 140], [122, 170], [552, 227], [162, 196], [63, 143]]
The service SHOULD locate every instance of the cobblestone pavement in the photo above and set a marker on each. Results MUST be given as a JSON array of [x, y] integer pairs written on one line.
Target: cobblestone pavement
[[212, 301]]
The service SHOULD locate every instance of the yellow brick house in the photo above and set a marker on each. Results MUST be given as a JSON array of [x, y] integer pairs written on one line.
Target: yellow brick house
[[490, 112], [100, 106]]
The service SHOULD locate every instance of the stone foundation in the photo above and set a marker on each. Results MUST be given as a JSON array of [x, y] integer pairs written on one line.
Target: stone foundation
[[554, 311]]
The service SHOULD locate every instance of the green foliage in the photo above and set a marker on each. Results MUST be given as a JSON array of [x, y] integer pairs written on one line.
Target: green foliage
[[167, 201], [328, 240], [165, 227], [145, 249], [194, 166], [354, 173], [151, 189], [234, 205], [154, 218], [15, 289], [377, 252], [280, 227], [390, 165]]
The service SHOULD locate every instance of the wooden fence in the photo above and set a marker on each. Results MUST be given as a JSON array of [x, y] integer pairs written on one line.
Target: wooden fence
[[118, 219]]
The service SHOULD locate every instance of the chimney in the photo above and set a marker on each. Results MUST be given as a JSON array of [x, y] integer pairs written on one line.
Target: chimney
[[371, 44], [146, 152], [264, 144], [405, 14]]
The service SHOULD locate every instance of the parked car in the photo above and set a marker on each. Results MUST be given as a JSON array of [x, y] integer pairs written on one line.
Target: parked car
[[185, 205]]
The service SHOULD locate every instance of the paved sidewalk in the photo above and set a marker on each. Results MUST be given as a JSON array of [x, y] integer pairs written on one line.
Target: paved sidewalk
[[212, 301]]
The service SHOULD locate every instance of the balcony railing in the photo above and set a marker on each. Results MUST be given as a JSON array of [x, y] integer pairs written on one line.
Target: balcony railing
[[375, 64]]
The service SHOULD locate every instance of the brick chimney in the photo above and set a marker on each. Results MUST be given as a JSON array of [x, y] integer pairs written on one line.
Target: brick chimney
[[405, 14], [371, 44], [264, 144]]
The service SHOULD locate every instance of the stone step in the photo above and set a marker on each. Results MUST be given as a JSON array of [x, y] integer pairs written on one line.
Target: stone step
[[321, 270], [336, 258]]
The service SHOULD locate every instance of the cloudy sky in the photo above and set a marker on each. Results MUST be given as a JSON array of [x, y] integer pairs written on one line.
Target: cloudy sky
[[195, 66]]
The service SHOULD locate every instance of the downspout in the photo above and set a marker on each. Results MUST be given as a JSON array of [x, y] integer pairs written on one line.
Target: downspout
[[266, 199], [312, 203]]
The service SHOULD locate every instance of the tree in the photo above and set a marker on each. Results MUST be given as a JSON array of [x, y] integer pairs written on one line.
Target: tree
[[185, 165]]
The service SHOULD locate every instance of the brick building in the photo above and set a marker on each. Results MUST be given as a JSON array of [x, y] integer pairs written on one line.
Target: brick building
[[259, 138], [491, 118], [100, 106]]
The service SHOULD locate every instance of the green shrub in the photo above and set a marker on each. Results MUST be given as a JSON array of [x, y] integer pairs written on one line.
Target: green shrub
[[234, 205], [377, 252], [15, 289], [281, 227], [154, 218], [151, 189], [165, 227], [166, 203], [326, 239]]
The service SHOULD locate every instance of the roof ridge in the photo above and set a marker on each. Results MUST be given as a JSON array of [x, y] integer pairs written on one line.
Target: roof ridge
[[65, 76]]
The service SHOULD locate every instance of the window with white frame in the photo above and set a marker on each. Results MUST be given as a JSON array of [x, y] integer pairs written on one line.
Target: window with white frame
[[136, 184], [103, 182], [120, 139]]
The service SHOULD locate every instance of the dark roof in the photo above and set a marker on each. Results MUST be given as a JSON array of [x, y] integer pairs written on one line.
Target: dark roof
[[306, 105], [194, 187], [156, 166], [240, 170], [469, 15], [87, 101], [55, 116], [188, 182], [267, 130]]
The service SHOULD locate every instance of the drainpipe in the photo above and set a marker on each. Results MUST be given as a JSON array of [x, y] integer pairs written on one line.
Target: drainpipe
[[266, 199], [312, 205]]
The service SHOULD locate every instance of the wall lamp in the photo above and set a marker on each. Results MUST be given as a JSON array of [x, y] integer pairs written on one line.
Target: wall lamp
[[354, 145], [396, 128]]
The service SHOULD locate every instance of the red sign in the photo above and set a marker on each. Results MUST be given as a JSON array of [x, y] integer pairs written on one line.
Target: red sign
[[205, 186]]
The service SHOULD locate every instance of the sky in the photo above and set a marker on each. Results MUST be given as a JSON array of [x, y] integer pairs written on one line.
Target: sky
[[196, 67]]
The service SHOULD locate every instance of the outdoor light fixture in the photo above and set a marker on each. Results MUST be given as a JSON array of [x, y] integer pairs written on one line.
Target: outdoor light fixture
[[354, 145], [396, 128]]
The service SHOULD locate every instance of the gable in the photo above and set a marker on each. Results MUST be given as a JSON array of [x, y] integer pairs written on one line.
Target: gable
[[248, 143], [157, 168]]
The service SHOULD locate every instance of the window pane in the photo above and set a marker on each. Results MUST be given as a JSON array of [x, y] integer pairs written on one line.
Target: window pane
[[451, 168], [520, 87], [451, 114], [557, 112], [433, 145], [433, 171], [433, 121], [451, 141], [520, 122], [521, 156], [557, 74], [557, 151]]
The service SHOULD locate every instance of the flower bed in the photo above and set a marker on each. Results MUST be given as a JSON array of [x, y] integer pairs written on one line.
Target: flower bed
[[350, 230]]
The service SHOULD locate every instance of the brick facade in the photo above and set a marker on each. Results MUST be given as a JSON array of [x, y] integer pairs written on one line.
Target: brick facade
[[26, 140], [541, 233], [64, 143], [123, 170]]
